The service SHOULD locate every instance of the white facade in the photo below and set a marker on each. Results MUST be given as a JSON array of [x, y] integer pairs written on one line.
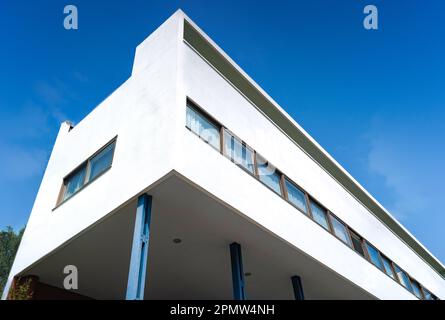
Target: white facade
[[147, 114]]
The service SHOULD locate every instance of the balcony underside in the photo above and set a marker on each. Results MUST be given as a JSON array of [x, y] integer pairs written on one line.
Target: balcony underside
[[199, 266]]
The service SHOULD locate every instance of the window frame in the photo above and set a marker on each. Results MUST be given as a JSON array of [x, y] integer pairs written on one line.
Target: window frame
[[86, 179], [224, 152], [410, 289], [278, 172], [367, 244], [285, 179], [82, 166], [391, 265], [348, 235], [353, 234], [416, 283], [88, 172], [219, 127], [326, 211], [424, 293]]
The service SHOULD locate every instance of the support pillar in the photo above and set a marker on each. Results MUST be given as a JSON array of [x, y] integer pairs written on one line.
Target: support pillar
[[139, 251], [298, 288], [237, 272]]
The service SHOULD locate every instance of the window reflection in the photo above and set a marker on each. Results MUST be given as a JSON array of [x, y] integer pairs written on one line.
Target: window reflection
[[268, 174], [238, 151], [203, 127]]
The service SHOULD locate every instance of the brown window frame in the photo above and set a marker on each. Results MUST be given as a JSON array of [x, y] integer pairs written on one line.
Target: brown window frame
[[333, 216], [285, 178], [243, 143], [278, 172], [391, 265], [82, 166], [413, 281], [400, 280], [329, 229], [367, 243], [433, 296], [86, 179], [352, 234], [192, 105]]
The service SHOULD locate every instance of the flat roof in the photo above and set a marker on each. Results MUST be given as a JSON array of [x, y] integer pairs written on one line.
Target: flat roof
[[216, 57]]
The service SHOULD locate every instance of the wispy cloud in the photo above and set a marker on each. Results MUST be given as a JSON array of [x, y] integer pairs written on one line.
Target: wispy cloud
[[408, 156], [18, 163], [54, 95], [79, 76], [26, 132], [30, 121], [28, 127], [51, 94]]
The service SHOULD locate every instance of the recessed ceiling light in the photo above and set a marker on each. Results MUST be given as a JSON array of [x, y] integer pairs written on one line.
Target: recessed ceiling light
[[177, 240]]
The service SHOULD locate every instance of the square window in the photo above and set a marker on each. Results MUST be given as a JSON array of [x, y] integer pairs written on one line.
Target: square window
[[268, 174], [374, 256], [237, 151], [206, 129], [74, 182], [388, 267], [319, 215], [357, 244], [403, 278], [340, 230], [429, 295], [87, 172], [101, 162], [416, 289], [296, 196]]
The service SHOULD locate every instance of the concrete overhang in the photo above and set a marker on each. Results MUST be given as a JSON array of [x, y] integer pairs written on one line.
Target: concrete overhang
[[228, 69], [199, 266]]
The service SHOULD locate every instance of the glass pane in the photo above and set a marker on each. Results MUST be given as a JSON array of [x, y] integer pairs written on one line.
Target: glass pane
[[268, 174], [340, 230], [427, 294], [319, 215], [374, 256], [101, 161], [388, 268], [416, 289], [296, 196], [403, 278], [203, 127], [357, 244], [238, 152], [74, 182]]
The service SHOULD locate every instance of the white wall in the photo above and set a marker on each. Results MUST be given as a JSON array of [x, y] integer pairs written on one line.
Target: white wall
[[141, 112], [147, 113], [213, 93]]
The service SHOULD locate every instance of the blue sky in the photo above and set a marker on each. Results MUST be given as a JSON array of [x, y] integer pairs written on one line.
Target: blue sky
[[374, 99]]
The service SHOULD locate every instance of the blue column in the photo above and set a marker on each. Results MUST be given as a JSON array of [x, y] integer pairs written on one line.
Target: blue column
[[139, 251], [298, 288], [237, 272]]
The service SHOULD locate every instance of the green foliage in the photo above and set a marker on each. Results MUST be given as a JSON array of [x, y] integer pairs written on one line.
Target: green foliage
[[21, 291], [9, 243]]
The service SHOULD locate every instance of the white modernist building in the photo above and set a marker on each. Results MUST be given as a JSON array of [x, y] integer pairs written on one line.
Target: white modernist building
[[190, 182]]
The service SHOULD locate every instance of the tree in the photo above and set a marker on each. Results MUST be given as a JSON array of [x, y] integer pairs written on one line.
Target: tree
[[9, 243]]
